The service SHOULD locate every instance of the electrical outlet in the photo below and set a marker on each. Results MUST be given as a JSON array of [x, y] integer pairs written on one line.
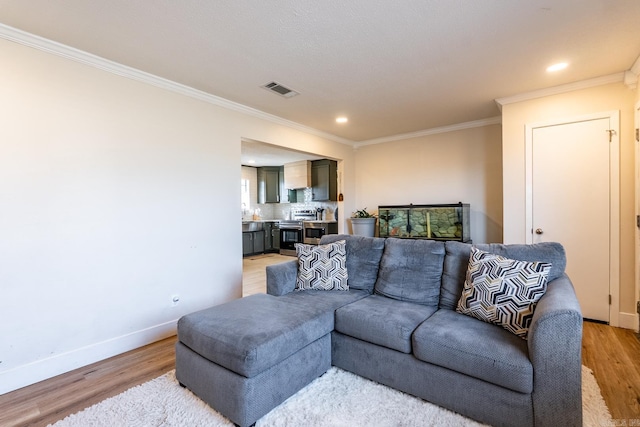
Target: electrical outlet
[[175, 299]]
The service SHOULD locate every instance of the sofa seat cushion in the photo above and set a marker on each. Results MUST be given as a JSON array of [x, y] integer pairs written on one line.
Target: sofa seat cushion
[[252, 334], [383, 321], [315, 301], [411, 270], [475, 348]]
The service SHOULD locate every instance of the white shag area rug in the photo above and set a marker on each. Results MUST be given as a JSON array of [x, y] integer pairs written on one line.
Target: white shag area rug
[[162, 402]]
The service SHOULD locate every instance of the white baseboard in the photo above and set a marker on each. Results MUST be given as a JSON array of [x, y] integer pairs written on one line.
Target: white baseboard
[[628, 321], [43, 369]]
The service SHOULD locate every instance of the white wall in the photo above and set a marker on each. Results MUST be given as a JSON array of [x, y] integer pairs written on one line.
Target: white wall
[[615, 96], [115, 195], [459, 166]]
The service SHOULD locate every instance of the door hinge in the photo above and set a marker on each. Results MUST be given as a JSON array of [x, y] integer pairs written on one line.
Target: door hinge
[[637, 134], [611, 133], [638, 220], [609, 299], [638, 307]]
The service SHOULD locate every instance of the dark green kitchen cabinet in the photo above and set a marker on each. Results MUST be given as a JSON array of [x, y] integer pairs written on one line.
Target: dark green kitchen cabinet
[[324, 179], [271, 236], [252, 242], [247, 243], [269, 184], [294, 196]]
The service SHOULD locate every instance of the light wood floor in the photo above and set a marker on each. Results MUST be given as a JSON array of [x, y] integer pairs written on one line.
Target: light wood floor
[[254, 276], [612, 353]]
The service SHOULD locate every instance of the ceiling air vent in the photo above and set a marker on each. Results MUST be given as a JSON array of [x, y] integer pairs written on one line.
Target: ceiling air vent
[[280, 90]]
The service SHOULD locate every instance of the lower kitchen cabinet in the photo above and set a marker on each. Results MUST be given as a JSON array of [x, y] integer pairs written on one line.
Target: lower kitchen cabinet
[[275, 238], [267, 236], [271, 237], [247, 243], [252, 242]]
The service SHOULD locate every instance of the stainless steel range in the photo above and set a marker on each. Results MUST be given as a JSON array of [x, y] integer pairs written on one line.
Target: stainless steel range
[[292, 230]]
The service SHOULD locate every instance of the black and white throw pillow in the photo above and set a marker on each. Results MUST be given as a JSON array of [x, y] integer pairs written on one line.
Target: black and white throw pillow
[[322, 267], [503, 291]]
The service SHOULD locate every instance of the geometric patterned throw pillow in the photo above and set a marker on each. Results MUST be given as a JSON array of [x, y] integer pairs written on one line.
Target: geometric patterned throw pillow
[[503, 291], [322, 267]]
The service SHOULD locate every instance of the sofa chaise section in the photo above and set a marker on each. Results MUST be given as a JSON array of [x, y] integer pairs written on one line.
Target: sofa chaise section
[[249, 355]]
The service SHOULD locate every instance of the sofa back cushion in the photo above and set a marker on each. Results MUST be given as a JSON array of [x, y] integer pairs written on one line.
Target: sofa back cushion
[[363, 258], [456, 262], [411, 270]]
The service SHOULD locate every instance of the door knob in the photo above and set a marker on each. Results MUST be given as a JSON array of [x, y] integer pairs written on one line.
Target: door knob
[[539, 231]]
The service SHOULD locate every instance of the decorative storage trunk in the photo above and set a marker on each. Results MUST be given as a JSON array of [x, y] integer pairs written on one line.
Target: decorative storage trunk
[[437, 222]]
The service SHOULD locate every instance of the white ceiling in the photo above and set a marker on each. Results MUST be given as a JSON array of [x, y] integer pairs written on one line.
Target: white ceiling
[[391, 67]]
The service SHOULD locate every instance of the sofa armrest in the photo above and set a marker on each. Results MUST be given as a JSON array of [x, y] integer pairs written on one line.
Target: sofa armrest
[[281, 278], [555, 346]]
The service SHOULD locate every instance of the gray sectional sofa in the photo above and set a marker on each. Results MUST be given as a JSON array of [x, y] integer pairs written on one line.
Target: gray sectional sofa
[[397, 325]]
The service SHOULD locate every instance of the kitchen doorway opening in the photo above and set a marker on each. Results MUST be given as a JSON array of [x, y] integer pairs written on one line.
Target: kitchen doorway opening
[[269, 207]]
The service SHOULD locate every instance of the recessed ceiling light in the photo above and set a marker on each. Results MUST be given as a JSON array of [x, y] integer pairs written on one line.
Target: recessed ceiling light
[[251, 162], [557, 67], [342, 120]]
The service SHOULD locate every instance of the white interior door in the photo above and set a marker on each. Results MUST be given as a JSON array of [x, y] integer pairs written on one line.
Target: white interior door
[[570, 202]]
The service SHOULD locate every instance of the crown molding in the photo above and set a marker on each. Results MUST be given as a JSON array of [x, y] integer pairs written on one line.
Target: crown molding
[[556, 90], [433, 131], [635, 68], [631, 76], [630, 79], [64, 51]]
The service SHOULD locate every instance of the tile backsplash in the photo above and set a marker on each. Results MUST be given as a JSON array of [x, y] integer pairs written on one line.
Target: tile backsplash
[[283, 210]]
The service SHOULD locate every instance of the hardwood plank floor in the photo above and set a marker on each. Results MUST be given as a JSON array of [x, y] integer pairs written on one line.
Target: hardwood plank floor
[[614, 356], [612, 353], [254, 276], [51, 400]]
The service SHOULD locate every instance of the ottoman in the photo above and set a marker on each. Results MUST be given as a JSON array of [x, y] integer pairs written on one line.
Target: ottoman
[[247, 356]]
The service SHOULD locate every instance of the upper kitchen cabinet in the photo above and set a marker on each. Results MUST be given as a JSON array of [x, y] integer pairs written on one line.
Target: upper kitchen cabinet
[[269, 184], [289, 195], [297, 175], [324, 178]]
